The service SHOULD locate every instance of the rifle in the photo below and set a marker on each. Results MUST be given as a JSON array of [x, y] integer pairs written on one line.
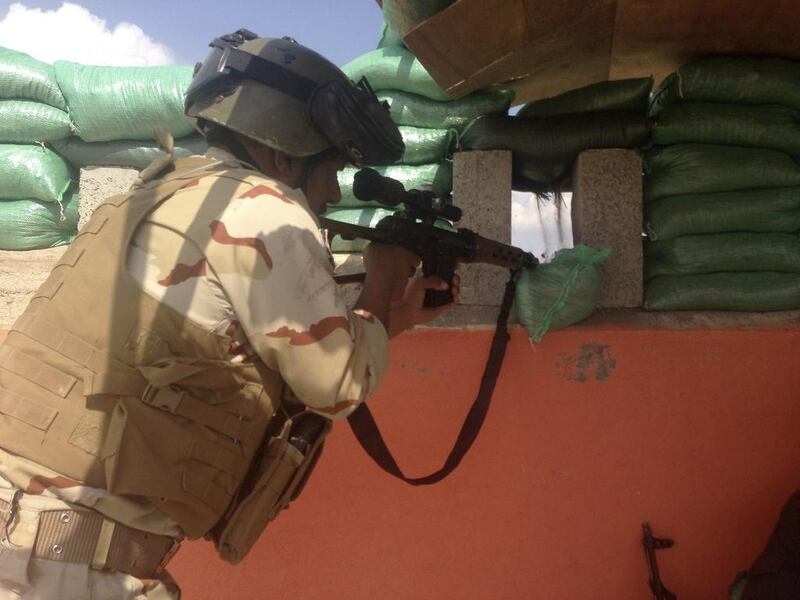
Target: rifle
[[413, 228], [651, 544], [440, 249]]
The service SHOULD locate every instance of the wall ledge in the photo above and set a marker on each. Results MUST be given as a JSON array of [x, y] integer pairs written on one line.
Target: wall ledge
[[485, 317]]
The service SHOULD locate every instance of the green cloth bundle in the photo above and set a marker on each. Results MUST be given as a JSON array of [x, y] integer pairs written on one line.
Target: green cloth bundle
[[559, 293]]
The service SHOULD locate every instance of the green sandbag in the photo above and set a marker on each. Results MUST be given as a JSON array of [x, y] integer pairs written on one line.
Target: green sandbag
[[26, 122], [366, 217], [127, 153], [390, 38], [724, 291], [769, 210], [625, 94], [704, 168], [24, 77], [33, 225], [124, 103], [28, 171], [404, 15], [733, 80], [437, 175], [559, 293], [551, 139], [774, 126], [723, 252], [425, 146], [418, 111], [394, 68]]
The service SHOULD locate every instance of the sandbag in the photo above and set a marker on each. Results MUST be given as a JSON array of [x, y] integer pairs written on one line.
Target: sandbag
[[366, 217], [33, 225], [394, 68], [723, 252], [532, 174], [124, 103], [625, 94], [773, 126], [724, 291], [769, 210], [404, 15], [550, 139], [28, 171], [418, 111], [705, 168], [733, 80], [26, 122], [424, 146], [437, 175], [24, 77], [559, 293], [128, 153]]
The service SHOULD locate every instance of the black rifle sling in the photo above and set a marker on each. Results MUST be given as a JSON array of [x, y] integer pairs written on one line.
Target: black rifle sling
[[369, 436]]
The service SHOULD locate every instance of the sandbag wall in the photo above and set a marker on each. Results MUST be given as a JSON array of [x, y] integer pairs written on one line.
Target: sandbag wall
[[56, 119], [429, 121], [547, 135], [38, 206], [722, 187]]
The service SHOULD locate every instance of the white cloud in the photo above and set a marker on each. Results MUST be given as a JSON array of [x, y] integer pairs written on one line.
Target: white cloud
[[540, 226], [73, 33]]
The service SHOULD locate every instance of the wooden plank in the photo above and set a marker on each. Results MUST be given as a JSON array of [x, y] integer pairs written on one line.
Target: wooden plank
[[476, 43], [656, 37]]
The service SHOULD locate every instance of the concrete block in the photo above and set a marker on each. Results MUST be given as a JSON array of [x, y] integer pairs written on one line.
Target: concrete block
[[98, 183], [482, 190], [607, 211]]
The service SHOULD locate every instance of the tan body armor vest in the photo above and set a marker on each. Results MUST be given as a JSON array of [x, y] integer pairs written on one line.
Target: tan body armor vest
[[105, 385]]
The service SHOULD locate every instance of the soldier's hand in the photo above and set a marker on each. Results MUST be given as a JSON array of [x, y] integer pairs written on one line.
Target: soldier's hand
[[408, 310], [388, 268], [391, 265]]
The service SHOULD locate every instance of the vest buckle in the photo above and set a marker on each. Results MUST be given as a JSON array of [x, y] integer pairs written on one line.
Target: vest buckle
[[163, 398]]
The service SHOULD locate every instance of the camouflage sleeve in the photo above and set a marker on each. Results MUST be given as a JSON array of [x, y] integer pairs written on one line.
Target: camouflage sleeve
[[280, 285]]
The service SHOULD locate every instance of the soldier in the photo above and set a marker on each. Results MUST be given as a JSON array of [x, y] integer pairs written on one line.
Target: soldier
[[176, 374]]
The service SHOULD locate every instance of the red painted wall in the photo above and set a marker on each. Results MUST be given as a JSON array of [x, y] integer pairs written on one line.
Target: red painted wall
[[591, 432]]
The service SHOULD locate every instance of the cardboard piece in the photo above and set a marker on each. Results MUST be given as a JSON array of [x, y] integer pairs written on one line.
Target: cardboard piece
[[545, 47]]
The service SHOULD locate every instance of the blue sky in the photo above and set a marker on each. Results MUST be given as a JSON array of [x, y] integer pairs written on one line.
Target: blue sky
[[339, 29]]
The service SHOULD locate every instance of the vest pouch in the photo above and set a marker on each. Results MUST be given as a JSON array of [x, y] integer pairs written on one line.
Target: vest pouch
[[188, 471], [276, 479]]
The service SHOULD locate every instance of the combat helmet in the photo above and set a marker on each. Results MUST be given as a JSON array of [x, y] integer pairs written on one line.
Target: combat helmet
[[286, 96]]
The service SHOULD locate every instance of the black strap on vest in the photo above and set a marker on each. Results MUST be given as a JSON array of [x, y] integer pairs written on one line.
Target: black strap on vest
[[369, 436]]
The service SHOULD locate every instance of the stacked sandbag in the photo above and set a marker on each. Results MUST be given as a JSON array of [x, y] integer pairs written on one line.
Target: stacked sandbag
[[428, 120], [136, 154], [37, 209], [57, 119], [722, 187], [116, 110], [547, 135]]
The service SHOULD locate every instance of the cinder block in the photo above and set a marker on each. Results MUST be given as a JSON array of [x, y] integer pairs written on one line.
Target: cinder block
[[482, 190], [98, 183], [607, 212]]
